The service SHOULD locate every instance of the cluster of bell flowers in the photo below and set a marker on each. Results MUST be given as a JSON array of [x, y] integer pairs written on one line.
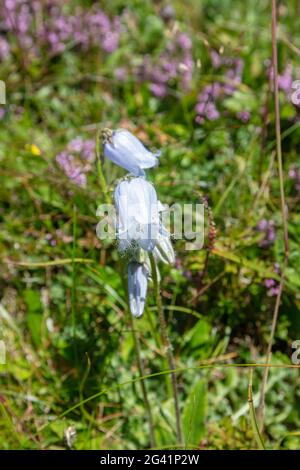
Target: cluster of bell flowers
[[139, 228]]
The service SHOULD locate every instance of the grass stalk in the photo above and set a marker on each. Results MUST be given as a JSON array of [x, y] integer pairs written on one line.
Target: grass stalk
[[261, 410], [137, 346], [254, 422], [74, 285], [101, 177]]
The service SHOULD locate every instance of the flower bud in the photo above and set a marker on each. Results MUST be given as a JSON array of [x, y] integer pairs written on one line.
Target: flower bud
[[137, 287]]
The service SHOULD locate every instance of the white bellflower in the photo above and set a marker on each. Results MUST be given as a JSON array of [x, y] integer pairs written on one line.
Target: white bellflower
[[125, 150]]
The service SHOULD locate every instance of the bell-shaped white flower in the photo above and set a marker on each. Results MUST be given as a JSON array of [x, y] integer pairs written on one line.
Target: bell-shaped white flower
[[125, 150], [137, 214], [137, 287]]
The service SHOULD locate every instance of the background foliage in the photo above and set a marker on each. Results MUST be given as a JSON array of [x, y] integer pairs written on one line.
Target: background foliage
[[191, 78]]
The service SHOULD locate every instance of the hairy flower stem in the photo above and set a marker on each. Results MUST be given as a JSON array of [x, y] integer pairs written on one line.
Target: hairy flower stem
[[102, 181], [137, 347], [261, 409], [167, 345]]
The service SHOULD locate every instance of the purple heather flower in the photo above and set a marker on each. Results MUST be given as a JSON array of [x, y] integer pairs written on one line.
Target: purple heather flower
[[285, 80], [239, 68], [294, 174], [49, 238], [211, 112], [206, 107], [4, 48], [199, 119], [71, 169], [75, 145], [262, 225], [243, 116], [216, 59], [273, 292], [186, 69], [84, 147], [269, 283], [167, 13], [88, 150], [158, 90], [276, 268], [121, 74], [110, 41], [161, 74], [76, 160], [174, 66], [267, 227], [170, 69], [58, 29], [184, 41], [229, 89]]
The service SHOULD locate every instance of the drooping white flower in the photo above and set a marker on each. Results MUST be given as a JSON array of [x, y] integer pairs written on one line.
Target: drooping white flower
[[137, 214], [125, 150], [137, 287]]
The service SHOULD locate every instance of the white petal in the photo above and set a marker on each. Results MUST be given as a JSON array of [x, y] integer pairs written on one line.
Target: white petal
[[137, 213], [163, 249]]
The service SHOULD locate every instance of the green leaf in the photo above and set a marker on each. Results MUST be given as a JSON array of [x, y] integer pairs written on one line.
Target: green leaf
[[240, 101], [194, 414], [35, 314], [197, 337], [34, 322]]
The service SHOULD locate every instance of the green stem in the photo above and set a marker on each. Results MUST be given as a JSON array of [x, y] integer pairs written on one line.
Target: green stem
[[137, 346], [102, 180], [255, 427], [167, 345], [157, 337], [74, 286]]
